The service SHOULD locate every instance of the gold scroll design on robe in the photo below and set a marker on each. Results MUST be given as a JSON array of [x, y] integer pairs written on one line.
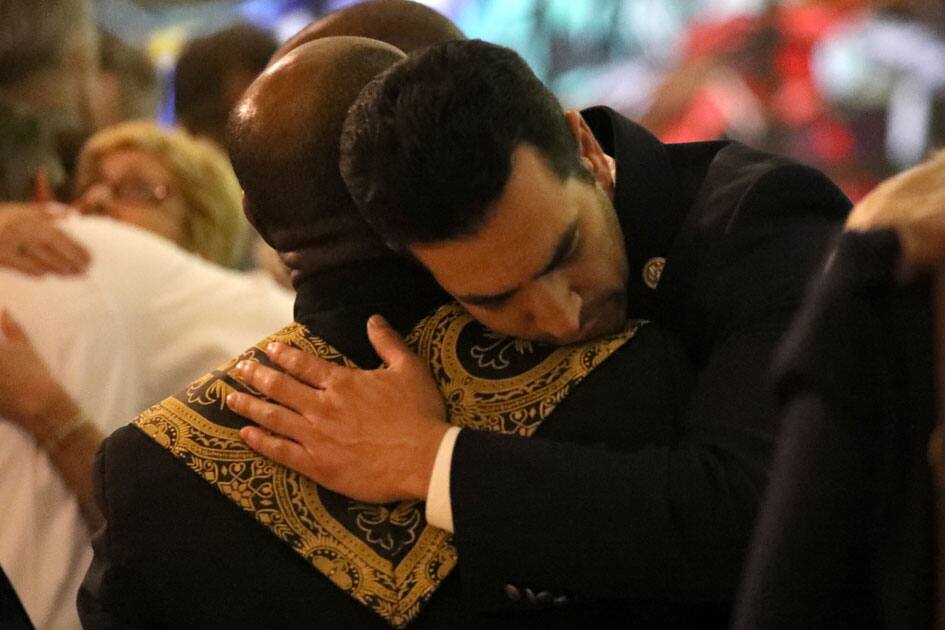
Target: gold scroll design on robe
[[385, 556]]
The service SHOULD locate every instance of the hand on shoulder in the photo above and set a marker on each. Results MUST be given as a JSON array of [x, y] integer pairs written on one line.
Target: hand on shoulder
[[31, 242]]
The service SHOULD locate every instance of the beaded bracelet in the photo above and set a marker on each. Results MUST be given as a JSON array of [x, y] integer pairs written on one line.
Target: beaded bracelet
[[66, 429]]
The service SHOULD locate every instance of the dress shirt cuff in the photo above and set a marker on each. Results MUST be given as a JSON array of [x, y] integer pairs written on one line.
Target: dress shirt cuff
[[439, 508]]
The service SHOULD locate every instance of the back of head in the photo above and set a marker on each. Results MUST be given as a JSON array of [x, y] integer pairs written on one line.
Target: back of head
[[410, 26], [26, 149], [129, 79], [426, 149], [37, 36], [213, 71], [201, 175], [283, 141], [41, 45], [49, 65]]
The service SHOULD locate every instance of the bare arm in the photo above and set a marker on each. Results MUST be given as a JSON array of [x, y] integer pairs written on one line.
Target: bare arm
[[32, 398], [31, 243]]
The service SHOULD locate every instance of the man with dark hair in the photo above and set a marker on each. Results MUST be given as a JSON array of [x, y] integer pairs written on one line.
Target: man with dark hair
[[213, 71], [557, 226]]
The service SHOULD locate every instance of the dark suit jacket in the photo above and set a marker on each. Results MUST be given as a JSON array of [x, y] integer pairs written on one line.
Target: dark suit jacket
[[845, 538], [741, 232]]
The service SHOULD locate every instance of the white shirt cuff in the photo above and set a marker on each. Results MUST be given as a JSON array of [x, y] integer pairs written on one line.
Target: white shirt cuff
[[439, 507]]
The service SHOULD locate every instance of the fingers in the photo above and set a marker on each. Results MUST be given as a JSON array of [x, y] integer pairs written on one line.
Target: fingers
[[10, 327], [42, 190], [387, 343], [69, 249], [276, 418], [305, 367], [49, 258], [35, 246], [276, 448], [23, 264], [59, 252], [278, 386]]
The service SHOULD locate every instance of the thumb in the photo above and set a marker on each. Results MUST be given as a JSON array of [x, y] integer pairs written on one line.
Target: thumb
[[387, 343], [10, 328], [42, 191]]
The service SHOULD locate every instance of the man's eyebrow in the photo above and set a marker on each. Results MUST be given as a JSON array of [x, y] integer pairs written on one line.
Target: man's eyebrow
[[494, 299], [562, 251]]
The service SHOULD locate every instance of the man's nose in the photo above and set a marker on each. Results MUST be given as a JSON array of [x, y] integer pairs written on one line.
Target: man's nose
[[556, 310]]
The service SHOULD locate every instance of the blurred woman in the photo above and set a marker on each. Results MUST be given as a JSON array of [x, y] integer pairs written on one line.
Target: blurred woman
[[168, 182], [164, 181]]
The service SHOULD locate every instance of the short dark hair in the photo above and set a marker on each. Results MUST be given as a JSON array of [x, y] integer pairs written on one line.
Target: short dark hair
[[137, 76], [203, 96], [426, 149], [37, 35], [26, 148]]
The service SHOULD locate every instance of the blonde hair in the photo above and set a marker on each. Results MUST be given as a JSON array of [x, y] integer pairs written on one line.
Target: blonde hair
[[215, 227], [913, 195]]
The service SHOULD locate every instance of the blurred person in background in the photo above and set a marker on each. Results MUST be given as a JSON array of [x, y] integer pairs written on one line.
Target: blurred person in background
[[853, 87], [851, 531], [95, 347], [49, 103], [165, 181], [212, 73], [29, 239], [79, 356], [49, 65], [81, 353], [128, 82]]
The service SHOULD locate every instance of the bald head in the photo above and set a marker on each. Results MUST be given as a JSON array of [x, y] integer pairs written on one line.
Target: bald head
[[409, 26], [283, 139]]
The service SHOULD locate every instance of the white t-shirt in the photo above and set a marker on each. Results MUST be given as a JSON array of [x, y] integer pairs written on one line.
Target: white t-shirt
[[143, 321]]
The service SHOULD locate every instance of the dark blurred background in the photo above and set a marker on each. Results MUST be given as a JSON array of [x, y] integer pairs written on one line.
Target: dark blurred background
[[853, 87]]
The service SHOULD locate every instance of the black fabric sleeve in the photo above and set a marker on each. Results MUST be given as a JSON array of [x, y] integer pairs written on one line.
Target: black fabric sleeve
[[844, 537], [672, 522], [667, 523], [109, 592]]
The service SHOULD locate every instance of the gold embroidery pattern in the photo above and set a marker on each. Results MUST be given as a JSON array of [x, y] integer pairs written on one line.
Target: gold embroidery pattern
[[385, 556]]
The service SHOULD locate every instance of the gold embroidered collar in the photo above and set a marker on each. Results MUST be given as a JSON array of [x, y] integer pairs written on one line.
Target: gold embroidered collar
[[385, 556]]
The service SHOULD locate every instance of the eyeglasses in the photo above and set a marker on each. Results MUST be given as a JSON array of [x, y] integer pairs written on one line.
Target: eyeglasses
[[132, 190]]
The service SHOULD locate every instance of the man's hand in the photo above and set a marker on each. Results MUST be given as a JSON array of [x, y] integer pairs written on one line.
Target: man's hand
[[912, 203], [368, 434], [30, 241]]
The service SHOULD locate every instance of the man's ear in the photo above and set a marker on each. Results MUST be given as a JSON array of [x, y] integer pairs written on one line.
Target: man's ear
[[592, 155]]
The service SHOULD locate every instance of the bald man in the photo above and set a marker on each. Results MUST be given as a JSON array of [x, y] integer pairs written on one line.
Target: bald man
[[175, 551], [201, 531]]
